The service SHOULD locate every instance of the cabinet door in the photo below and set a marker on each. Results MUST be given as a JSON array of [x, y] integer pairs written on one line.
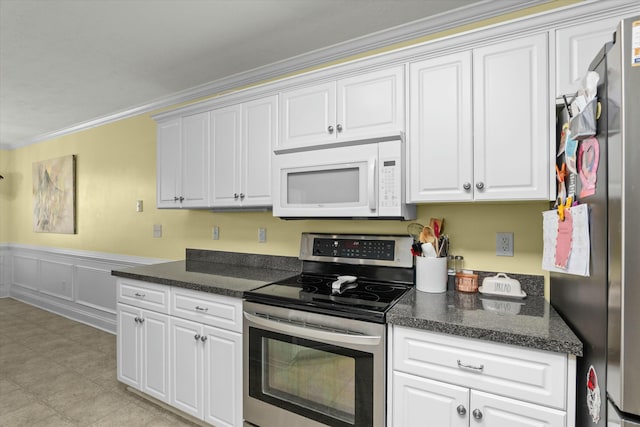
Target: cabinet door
[[441, 129], [223, 377], [129, 347], [155, 355], [195, 160], [225, 159], [307, 116], [259, 134], [576, 47], [511, 120], [186, 366], [168, 164], [419, 401], [496, 411], [371, 104]]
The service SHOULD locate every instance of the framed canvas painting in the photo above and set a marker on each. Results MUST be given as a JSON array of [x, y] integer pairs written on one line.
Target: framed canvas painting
[[54, 195]]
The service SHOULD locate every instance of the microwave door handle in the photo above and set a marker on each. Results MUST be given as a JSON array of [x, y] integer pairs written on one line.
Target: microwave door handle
[[373, 202], [310, 332]]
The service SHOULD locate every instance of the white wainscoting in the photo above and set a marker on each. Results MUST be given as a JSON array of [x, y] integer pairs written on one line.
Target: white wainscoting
[[75, 284]]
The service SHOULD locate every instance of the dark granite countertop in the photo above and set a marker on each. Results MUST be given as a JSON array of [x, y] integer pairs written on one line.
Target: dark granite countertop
[[223, 273], [530, 322]]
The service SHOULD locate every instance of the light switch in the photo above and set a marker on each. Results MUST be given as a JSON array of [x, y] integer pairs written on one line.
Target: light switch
[[215, 233], [139, 206], [262, 235]]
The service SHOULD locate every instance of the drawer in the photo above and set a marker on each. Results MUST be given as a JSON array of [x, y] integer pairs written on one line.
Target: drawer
[[215, 310], [144, 294], [525, 374]]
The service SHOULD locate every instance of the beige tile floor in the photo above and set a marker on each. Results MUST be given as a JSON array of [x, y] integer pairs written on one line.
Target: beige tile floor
[[58, 372]]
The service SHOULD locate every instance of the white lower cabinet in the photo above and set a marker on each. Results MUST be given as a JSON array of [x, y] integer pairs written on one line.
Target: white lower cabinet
[[448, 381], [182, 347], [205, 372], [143, 350]]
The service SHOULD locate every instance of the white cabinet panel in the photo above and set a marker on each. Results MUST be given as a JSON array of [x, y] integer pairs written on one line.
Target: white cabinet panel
[[129, 351], [367, 105], [168, 163], [576, 47], [155, 355], [57, 279], [496, 411], [441, 129], [511, 120], [186, 366], [417, 400], [195, 161], [222, 377], [307, 115], [225, 155]]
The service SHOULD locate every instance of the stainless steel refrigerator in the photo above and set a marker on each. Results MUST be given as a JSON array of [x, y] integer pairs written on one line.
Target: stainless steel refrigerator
[[604, 308]]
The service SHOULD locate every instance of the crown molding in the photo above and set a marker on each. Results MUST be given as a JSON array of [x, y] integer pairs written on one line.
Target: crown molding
[[586, 10], [484, 10]]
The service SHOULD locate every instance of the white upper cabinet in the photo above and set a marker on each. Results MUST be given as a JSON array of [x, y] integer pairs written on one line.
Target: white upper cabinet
[[511, 120], [576, 47], [368, 105], [183, 166], [242, 138], [441, 128], [479, 124]]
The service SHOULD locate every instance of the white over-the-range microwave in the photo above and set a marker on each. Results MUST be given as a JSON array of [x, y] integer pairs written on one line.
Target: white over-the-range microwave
[[360, 180]]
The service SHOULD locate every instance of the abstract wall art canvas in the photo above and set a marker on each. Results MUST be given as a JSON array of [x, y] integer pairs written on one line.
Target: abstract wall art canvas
[[54, 195]]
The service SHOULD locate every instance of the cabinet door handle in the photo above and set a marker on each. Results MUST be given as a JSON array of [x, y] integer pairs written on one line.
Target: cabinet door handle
[[480, 185], [473, 368], [176, 198], [141, 320], [235, 195], [197, 337], [477, 414], [330, 129], [339, 128], [241, 196], [201, 308], [461, 410], [181, 199], [139, 295], [467, 186], [203, 338], [137, 319]]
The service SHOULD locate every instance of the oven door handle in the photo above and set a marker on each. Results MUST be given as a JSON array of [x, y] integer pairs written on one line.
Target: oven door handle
[[310, 332]]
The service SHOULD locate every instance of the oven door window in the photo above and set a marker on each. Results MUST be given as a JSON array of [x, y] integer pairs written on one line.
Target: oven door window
[[323, 382]]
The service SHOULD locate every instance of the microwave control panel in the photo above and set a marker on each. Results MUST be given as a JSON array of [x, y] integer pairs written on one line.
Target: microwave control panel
[[390, 178]]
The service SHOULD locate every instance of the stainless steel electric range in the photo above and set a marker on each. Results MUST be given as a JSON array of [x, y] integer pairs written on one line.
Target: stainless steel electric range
[[314, 344]]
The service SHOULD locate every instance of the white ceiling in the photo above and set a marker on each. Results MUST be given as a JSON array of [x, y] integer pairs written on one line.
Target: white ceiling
[[67, 63]]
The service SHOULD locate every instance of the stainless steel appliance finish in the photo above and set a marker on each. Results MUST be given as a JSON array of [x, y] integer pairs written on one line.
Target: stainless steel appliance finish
[[602, 309], [314, 344], [312, 335]]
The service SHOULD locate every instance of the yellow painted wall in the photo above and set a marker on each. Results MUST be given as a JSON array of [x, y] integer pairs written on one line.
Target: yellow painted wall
[[116, 167]]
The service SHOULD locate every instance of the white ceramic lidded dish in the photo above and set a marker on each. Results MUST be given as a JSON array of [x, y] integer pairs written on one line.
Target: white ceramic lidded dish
[[502, 285]]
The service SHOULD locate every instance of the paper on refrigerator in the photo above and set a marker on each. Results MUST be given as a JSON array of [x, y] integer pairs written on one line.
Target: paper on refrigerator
[[578, 263]]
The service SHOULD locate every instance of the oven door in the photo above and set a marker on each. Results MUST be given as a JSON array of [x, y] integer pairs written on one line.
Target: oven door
[[306, 369]]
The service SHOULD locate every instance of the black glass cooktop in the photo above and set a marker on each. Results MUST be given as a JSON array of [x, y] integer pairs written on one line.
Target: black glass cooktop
[[362, 299]]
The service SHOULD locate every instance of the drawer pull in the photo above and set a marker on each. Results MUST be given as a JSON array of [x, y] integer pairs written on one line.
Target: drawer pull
[[473, 368], [139, 295], [201, 308]]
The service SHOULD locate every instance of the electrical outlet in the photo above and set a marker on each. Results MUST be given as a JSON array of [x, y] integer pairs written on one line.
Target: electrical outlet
[[504, 244], [262, 235], [157, 230], [215, 233]]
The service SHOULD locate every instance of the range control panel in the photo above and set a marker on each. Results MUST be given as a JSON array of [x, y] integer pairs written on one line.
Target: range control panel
[[353, 248]]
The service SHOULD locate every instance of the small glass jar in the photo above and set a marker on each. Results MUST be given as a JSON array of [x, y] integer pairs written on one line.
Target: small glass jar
[[459, 263]]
